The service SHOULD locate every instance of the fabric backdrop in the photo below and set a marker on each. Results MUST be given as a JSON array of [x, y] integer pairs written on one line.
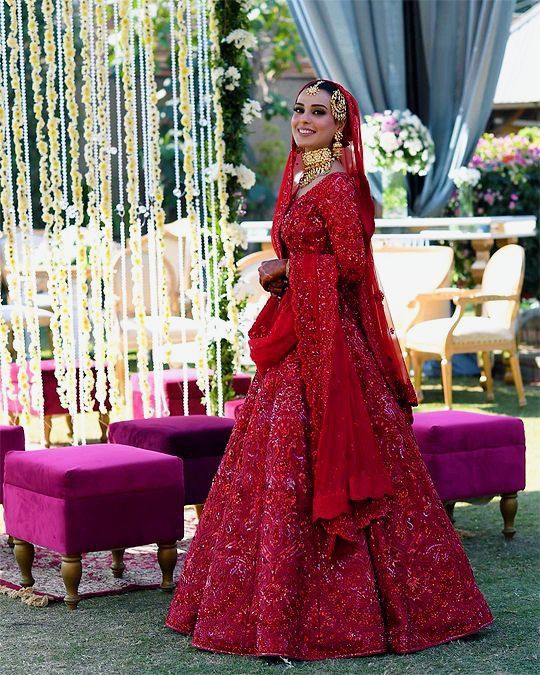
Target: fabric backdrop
[[440, 59]]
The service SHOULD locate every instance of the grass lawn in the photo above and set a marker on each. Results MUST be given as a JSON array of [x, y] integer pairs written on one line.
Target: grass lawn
[[125, 634]]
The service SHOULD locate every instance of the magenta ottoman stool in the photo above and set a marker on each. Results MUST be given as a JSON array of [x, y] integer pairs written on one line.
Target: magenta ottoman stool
[[471, 455], [199, 440], [93, 498], [173, 384]]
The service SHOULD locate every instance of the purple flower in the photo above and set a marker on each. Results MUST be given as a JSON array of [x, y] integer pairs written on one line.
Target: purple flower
[[514, 196], [512, 205]]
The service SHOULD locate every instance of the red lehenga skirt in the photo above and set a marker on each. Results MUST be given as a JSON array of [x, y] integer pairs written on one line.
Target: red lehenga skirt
[[258, 579]]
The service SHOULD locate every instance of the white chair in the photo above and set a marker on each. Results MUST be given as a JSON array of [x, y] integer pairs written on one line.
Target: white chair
[[494, 330], [406, 271]]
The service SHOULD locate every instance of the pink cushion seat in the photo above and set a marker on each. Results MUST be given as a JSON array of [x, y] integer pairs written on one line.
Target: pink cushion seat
[[232, 408], [93, 498], [199, 440], [173, 384], [51, 399], [11, 438], [471, 454]]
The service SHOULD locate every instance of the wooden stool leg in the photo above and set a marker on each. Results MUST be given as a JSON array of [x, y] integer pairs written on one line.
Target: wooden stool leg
[[47, 426], [118, 566], [198, 510], [486, 363], [446, 371], [449, 508], [10, 541], [516, 374], [167, 556], [69, 422], [509, 507], [24, 555], [71, 571], [417, 368], [104, 425]]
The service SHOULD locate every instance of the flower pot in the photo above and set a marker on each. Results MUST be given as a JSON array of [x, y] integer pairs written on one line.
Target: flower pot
[[394, 197], [466, 201]]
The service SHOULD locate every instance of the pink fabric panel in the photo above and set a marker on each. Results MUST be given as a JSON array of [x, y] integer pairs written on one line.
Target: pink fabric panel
[[90, 471], [173, 384], [232, 408], [11, 438], [100, 523]]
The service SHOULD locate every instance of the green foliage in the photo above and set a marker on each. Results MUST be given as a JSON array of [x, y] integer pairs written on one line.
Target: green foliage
[[279, 47]]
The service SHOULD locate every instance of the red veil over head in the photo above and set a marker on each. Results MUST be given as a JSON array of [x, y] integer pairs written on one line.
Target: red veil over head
[[380, 332]]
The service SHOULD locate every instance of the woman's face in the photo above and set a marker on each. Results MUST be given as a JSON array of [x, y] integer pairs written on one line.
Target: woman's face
[[312, 124]]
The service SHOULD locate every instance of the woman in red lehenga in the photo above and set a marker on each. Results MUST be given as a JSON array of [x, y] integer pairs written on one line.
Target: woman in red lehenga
[[322, 535]]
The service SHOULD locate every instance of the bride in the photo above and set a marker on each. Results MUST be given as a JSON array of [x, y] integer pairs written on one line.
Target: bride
[[322, 535]]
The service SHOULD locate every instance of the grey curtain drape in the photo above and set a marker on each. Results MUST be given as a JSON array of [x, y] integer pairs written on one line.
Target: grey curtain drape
[[361, 44]]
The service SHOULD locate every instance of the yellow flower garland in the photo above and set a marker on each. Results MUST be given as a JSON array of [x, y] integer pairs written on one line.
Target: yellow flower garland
[[189, 182], [228, 244], [19, 133], [128, 81], [86, 382]]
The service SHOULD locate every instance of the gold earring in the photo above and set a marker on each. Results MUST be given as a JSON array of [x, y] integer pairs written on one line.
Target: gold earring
[[337, 145]]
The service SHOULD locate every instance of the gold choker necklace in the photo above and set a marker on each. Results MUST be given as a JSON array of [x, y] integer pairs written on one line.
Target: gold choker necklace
[[316, 163]]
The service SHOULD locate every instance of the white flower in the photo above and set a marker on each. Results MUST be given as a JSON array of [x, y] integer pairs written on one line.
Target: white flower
[[414, 146], [388, 141], [242, 39], [250, 110], [231, 78], [219, 329], [463, 176], [370, 161], [236, 234], [246, 177], [369, 135], [211, 172]]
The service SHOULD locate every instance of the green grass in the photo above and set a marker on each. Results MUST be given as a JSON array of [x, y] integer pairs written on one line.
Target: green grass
[[125, 634]]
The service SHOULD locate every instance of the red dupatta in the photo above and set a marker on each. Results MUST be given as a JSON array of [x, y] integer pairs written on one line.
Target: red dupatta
[[348, 470]]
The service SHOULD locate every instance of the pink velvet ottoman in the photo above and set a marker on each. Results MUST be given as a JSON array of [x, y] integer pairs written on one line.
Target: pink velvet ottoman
[[93, 498], [52, 406], [199, 441], [173, 384], [472, 455], [232, 408]]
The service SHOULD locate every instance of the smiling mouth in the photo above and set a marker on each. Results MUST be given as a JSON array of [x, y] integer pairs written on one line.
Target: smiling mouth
[[306, 132]]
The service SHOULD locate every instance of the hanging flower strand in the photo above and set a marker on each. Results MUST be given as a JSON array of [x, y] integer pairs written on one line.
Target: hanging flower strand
[[132, 190]]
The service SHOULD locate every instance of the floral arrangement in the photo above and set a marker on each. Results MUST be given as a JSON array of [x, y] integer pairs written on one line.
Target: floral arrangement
[[509, 170], [464, 177], [397, 141]]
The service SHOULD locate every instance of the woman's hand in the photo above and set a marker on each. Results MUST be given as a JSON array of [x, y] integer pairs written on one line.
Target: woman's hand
[[272, 276]]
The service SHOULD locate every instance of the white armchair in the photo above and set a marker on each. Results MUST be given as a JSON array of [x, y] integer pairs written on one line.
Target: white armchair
[[494, 330]]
